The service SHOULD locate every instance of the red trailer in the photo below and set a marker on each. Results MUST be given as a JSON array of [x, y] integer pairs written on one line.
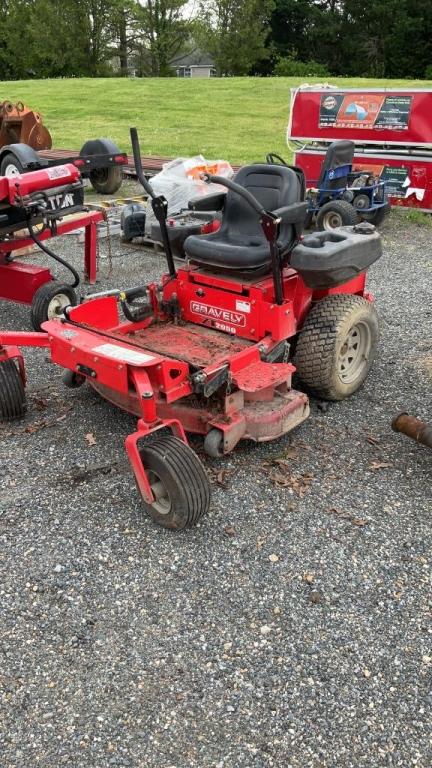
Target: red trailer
[[391, 128]]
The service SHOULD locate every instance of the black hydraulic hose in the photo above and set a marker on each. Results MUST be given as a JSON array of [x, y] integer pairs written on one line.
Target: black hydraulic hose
[[272, 156], [53, 255], [138, 292], [136, 314]]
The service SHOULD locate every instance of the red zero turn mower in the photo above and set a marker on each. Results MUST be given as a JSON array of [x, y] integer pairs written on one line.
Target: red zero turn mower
[[210, 349]]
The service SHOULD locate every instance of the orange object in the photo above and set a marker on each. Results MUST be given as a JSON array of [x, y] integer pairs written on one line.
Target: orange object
[[214, 168], [21, 125]]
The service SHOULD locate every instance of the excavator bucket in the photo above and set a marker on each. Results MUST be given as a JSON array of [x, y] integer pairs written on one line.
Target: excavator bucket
[[21, 125]]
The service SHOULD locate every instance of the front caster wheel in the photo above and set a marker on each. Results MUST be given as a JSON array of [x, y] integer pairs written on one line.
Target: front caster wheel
[[73, 380], [50, 301], [12, 393], [213, 443], [178, 481]]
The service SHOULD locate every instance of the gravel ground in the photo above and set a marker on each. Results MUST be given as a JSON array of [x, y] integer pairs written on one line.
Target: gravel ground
[[291, 628]]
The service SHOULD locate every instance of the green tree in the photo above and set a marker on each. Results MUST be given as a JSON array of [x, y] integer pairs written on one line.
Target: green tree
[[15, 40], [290, 23], [57, 44], [234, 32], [122, 31], [63, 38], [403, 31], [384, 38], [96, 22], [366, 29], [163, 28]]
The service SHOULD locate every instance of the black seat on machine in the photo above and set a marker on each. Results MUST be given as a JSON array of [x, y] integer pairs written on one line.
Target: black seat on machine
[[339, 154], [240, 243]]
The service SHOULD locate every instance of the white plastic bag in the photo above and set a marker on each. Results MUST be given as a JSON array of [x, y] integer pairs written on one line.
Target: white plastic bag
[[180, 180]]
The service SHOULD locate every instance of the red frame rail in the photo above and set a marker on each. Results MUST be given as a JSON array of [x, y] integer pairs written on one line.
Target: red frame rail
[[19, 281]]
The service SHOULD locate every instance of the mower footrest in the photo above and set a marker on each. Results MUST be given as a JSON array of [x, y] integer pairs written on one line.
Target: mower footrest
[[260, 375]]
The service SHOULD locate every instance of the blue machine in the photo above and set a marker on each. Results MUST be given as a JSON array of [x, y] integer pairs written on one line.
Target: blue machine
[[343, 197]]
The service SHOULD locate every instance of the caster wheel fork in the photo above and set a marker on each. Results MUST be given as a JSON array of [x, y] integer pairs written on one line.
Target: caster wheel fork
[[172, 481]]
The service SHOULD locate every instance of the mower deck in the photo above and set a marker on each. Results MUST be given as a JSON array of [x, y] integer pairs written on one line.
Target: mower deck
[[160, 360], [194, 344], [258, 420]]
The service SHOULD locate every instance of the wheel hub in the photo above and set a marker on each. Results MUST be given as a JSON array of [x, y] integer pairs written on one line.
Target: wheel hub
[[11, 171], [332, 219], [57, 305], [162, 502], [100, 174], [361, 202], [354, 353]]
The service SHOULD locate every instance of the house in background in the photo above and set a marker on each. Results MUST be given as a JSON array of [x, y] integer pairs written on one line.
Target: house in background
[[194, 64]]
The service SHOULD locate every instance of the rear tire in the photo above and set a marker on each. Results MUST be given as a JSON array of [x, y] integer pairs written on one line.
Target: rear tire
[[12, 392], [337, 346], [308, 220], [376, 218], [178, 481], [49, 302], [336, 213], [106, 181]]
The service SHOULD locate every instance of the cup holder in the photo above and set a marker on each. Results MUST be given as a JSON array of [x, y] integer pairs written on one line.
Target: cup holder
[[319, 239], [330, 258]]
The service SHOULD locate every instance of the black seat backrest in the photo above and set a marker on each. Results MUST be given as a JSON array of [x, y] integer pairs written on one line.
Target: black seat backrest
[[274, 186], [338, 155]]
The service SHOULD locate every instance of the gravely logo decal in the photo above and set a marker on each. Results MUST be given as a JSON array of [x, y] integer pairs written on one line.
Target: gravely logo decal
[[216, 313]]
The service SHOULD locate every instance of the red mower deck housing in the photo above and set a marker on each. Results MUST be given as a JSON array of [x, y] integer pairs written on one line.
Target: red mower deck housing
[[161, 359]]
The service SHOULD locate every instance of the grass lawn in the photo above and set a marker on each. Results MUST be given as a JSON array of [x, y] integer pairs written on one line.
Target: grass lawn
[[238, 119]]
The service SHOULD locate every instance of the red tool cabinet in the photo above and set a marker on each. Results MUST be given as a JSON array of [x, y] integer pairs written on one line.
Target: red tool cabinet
[[392, 130]]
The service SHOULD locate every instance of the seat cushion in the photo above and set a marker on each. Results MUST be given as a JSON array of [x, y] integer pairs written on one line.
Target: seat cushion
[[240, 244], [236, 253]]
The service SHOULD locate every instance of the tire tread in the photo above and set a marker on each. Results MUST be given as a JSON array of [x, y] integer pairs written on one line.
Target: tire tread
[[314, 357], [12, 392], [346, 210], [185, 464], [43, 296]]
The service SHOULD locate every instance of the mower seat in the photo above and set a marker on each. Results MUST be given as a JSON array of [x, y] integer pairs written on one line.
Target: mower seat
[[339, 155], [239, 244]]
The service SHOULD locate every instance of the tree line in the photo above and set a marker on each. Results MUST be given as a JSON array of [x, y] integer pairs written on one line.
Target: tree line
[[76, 38]]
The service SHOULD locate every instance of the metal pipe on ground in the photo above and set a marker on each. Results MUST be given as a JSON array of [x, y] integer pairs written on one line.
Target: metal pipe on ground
[[412, 427]]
